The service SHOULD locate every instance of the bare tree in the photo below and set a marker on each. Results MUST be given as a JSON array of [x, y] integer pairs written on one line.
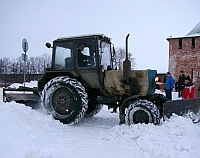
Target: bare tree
[[1, 66], [120, 56], [6, 65], [42, 62], [34, 65]]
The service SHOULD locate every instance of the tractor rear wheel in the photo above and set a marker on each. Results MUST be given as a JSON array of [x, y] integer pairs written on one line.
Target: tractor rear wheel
[[142, 111], [65, 98]]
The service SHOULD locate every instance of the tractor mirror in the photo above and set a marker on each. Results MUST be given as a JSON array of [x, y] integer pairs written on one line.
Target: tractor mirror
[[48, 45]]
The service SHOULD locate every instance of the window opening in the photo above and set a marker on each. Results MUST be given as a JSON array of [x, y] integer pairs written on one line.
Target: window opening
[[180, 44], [63, 56], [193, 43]]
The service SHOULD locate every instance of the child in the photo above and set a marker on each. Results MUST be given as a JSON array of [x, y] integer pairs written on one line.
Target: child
[[188, 91]]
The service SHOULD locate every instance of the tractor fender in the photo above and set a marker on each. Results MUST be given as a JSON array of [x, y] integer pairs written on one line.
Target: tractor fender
[[159, 100], [123, 107]]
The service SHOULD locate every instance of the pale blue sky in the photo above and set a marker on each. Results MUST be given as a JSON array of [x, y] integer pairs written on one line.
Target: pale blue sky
[[149, 23]]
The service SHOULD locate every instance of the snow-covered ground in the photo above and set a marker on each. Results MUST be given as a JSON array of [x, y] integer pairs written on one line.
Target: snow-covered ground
[[28, 133]]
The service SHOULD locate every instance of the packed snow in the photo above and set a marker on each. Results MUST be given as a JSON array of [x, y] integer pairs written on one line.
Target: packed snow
[[28, 133]]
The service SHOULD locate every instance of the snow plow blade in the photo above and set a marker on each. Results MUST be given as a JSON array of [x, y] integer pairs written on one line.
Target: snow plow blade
[[181, 107], [20, 94]]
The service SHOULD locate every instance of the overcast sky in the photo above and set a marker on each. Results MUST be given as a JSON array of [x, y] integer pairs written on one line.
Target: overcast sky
[[149, 23]]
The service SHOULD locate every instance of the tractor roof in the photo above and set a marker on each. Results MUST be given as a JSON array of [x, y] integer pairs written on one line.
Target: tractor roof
[[101, 36], [79, 36]]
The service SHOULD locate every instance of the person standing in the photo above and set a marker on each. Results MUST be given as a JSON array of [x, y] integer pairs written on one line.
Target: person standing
[[181, 83], [169, 86], [188, 91]]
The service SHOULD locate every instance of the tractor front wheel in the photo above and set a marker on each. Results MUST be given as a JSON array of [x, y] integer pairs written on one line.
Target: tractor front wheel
[[142, 111], [65, 98]]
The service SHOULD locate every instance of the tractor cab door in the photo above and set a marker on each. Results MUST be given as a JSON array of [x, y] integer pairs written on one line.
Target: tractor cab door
[[86, 62], [105, 55], [105, 58]]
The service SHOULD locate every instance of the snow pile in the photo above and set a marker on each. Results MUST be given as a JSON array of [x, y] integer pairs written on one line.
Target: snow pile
[[176, 137], [27, 84]]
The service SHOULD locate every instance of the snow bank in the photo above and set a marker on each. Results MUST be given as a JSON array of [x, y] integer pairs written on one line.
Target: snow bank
[[29, 133]]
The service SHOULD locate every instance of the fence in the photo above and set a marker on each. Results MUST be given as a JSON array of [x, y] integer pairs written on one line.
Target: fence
[[8, 79]]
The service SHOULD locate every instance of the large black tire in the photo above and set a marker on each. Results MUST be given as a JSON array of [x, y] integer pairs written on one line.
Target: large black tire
[[65, 98], [142, 111], [93, 110]]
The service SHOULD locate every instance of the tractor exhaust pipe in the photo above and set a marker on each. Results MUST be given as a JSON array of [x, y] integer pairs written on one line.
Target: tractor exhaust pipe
[[127, 45], [127, 64]]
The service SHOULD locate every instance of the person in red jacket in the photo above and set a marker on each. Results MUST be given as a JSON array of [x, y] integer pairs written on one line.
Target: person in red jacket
[[188, 91]]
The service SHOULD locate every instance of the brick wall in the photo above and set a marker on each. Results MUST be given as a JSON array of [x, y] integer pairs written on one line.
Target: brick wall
[[184, 59]]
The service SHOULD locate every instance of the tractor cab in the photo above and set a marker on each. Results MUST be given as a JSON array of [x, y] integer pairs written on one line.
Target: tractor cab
[[83, 57]]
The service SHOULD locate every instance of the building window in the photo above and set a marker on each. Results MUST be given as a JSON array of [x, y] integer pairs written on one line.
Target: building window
[[193, 43], [180, 44]]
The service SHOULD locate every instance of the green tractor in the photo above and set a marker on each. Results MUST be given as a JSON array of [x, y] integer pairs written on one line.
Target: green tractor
[[83, 78]]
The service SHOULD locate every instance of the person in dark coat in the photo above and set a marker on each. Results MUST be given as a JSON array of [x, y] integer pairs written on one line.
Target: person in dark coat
[[84, 60], [169, 86], [165, 81], [181, 83], [176, 86], [81, 57]]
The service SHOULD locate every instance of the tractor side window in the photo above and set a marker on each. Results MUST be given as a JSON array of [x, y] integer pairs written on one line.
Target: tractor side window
[[86, 51], [63, 57], [86, 56], [106, 56]]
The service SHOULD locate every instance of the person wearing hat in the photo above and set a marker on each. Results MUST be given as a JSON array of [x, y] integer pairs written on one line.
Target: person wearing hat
[[188, 91], [169, 86], [181, 83]]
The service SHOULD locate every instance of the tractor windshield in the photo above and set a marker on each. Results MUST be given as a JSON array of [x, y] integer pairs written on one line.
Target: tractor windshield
[[63, 56], [105, 53]]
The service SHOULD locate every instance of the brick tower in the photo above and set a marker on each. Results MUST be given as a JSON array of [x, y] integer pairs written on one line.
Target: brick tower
[[184, 54]]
